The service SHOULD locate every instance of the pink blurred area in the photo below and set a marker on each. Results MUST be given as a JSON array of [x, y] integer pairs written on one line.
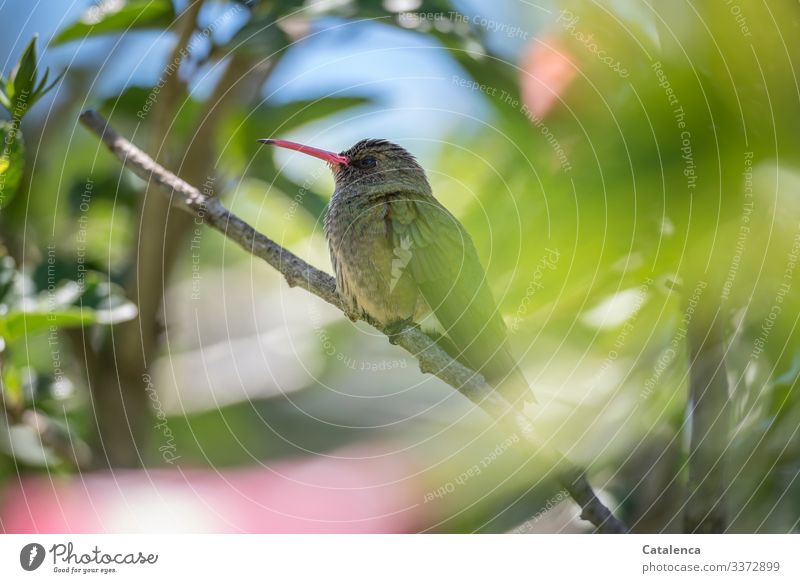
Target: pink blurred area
[[547, 72], [319, 495]]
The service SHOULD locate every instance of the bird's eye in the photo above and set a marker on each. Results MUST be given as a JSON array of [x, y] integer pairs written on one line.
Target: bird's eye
[[367, 162]]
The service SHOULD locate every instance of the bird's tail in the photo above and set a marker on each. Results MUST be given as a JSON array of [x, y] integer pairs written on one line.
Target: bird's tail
[[500, 370]]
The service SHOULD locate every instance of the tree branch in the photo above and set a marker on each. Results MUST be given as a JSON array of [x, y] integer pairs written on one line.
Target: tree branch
[[432, 359]]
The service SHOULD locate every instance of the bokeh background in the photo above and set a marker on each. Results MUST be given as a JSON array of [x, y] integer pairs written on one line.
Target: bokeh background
[[628, 171]]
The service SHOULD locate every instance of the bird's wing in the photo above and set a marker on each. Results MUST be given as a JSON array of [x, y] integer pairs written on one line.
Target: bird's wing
[[444, 264]]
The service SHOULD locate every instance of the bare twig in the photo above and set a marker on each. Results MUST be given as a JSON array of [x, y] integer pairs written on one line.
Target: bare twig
[[432, 359]]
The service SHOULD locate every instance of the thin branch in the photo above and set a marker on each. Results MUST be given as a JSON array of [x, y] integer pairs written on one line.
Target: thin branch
[[432, 359]]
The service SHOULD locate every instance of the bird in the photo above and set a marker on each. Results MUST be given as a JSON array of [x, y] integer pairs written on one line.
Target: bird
[[401, 258]]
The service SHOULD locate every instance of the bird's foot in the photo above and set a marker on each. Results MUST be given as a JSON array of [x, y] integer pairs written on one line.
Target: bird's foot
[[394, 329]]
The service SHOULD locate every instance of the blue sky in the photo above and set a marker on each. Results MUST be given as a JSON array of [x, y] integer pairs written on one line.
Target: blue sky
[[409, 77]]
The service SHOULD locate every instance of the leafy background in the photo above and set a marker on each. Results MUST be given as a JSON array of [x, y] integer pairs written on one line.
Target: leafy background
[[596, 215]]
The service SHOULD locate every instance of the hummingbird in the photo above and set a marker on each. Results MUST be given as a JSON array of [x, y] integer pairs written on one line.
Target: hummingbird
[[401, 258]]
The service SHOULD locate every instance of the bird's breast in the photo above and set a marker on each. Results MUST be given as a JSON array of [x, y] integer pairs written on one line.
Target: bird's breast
[[366, 262]]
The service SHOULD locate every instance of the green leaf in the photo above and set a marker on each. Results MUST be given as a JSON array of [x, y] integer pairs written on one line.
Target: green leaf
[[260, 37], [8, 271], [105, 19], [12, 161], [12, 385], [107, 300], [66, 305], [4, 100], [20, 91], [16, 324], [23, 76], [42, 89]]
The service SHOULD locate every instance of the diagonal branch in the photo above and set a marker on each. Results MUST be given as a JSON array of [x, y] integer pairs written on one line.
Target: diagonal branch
[[432, 359]]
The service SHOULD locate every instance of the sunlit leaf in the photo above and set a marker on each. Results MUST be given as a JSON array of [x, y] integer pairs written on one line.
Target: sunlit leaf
[[4, 100], [12, 161], [115, 314], [25, 445], [43, 88], [20, 85], [107, 300], [16, 324], [12, 384], [21, 90], [115, 16], [67, 305]]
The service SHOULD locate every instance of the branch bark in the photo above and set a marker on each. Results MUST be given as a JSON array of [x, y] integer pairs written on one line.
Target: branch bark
[[432, 359]]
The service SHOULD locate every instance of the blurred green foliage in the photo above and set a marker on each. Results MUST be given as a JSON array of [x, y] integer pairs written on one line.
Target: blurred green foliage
[[596, 217], [119, 19]]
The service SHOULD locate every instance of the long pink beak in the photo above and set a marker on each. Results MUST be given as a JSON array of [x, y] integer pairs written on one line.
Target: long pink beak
[[330, 157]]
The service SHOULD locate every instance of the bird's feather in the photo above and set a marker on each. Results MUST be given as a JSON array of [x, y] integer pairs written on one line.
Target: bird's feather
[[447, 272]]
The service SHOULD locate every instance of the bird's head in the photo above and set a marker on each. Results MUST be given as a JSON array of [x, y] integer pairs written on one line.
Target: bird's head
[[369, 165]]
